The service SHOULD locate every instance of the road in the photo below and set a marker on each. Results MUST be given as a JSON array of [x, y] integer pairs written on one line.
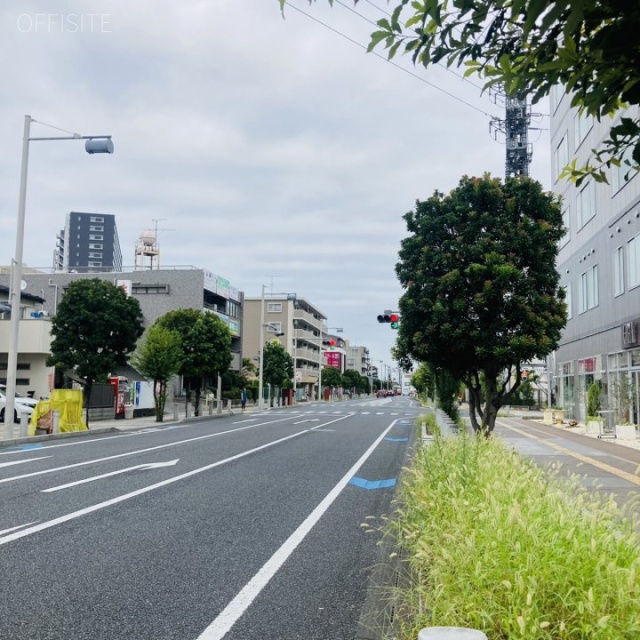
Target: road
[[247, 526]]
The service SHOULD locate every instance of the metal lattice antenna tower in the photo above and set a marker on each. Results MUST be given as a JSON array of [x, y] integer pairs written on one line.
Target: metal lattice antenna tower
[[515, 128]]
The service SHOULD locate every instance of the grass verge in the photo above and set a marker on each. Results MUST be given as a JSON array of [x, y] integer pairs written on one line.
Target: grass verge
[[495, 543]]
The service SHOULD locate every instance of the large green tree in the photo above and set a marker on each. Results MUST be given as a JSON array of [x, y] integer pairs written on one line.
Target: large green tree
[[95, 330], [159, 356], [591, 47], [277, 365], [482, 294], [206, 348]]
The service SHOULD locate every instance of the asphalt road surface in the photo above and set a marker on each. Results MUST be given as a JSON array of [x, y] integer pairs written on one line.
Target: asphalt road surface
[[242, 527]]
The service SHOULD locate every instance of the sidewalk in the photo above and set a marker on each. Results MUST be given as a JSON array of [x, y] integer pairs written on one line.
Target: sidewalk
[[114, 425]]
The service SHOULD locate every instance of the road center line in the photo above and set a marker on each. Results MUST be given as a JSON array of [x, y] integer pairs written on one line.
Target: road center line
[[234, 610], [127, 496]]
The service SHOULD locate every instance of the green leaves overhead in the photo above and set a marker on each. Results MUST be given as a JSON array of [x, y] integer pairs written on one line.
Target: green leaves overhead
[[589, 47]]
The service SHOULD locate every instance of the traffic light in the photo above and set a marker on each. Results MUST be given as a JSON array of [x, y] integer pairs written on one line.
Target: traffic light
[[390, 317], [329, 343]]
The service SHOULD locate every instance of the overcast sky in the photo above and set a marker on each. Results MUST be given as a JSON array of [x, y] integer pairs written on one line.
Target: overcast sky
[[267, 150]]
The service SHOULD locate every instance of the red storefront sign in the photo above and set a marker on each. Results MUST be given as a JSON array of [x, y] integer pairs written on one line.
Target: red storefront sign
[[333, 359]]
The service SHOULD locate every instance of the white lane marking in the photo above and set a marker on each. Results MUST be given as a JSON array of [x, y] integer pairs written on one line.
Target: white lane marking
[[20, 526], [127, 496], [234, 610], [307, 420], [137, 451], [147, 466], [10, 464]]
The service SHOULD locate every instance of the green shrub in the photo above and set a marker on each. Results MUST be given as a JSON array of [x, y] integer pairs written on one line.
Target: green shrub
[[593, 400], [495, 543]]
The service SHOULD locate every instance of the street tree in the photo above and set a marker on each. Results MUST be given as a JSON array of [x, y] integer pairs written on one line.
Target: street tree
[[206, 348], [331, 377], [94, 331], [481, 291], [159, 356], [277, 365], [351, 380], [529, 46]]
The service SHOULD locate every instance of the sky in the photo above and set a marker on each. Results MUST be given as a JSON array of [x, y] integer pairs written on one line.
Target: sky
[[268, 150]]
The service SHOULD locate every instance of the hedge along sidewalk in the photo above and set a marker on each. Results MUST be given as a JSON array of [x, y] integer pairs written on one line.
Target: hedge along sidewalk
[[497, 544]]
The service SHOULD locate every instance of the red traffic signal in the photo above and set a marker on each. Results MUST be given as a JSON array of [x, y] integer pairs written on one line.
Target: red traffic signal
[[394, 317]]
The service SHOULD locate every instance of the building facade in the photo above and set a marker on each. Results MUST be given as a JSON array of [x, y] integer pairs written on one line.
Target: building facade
[[88, 243], [599, 266], [158, 292], [303, 327]]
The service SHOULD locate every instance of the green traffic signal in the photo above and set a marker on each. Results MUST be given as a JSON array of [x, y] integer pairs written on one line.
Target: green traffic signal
[[395, 325]]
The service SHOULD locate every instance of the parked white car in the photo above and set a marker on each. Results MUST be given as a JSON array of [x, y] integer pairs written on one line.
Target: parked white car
[[22, 404]]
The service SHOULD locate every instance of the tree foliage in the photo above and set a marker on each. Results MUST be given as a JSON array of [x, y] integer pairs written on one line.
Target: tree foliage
[[95, 329], [530, 46], [159, 356], [206, 347], [331, 377], [482, 293], [277, 364]]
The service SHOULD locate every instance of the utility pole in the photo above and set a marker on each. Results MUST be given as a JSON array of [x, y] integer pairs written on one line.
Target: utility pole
[[515, 128]]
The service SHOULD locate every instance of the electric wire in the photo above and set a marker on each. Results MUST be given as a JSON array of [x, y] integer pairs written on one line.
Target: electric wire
[[391, 62], [375, 24]]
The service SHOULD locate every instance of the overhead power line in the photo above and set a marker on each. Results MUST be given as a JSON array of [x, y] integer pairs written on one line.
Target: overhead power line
[[391, 62]]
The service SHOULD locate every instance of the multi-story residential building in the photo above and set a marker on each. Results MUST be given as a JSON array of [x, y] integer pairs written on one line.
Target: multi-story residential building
[[303, 328], [88, 243], [158, 291], [599, 266], [358, 359], [32, 375]]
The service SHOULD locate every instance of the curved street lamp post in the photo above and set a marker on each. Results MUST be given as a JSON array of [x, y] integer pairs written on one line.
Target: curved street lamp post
[[93, 144]]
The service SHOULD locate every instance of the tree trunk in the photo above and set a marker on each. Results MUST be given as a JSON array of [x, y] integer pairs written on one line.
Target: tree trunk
[[196, 410], [86, 396], [492, 404], [160, 398]]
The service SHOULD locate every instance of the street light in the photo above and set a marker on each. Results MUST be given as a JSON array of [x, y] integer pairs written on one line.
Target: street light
[[93, 144]]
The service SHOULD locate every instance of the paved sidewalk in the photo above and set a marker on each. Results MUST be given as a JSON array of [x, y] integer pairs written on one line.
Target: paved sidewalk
[[111, 426]]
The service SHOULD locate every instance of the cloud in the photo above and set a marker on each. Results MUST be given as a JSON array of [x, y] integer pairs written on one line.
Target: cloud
[[264, 148]]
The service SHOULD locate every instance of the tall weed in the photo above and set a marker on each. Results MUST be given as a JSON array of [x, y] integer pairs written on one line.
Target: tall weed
[[497, 544]]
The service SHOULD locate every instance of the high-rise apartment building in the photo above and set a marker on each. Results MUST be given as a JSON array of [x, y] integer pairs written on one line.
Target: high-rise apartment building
[[89, 242], [599, 266]]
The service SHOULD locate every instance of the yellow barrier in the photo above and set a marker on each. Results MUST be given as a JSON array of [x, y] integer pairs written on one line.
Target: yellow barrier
[[68, 402]]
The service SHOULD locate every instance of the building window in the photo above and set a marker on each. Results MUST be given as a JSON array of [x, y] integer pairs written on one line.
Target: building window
[[95, 245], [633, 261], [618, 271], [95, 254], [94, 264], [96, 219], [95, 236], [567, 300], [586, 204], [566, 223], [561, 155], [588, 290], [582, 125], [96, 228], [274, 307], [622, 174]]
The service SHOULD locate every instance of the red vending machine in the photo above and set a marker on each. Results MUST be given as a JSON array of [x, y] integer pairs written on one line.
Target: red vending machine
[[121, 391]]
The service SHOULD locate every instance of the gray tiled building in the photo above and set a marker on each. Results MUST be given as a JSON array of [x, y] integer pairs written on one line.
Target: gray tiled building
[[88, 243], [599, 266]]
